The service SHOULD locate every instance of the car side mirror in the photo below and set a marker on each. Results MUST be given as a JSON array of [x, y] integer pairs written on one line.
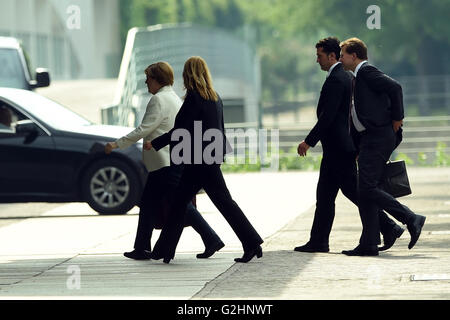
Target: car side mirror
[[27, 128], [42, 78]]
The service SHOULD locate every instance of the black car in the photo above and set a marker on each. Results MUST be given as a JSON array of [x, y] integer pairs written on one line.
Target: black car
[[51, 154]]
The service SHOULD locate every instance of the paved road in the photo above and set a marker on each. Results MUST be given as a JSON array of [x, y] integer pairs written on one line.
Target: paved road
[[85, 97], [38, 255], [420, 273], [66, 257]]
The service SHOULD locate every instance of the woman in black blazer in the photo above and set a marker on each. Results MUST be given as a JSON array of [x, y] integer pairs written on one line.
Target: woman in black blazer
[[202, 110]]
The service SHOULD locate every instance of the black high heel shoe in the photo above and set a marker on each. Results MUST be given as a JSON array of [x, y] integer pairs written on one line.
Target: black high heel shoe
[[138, 255], [248, 255], [156, 256], [210, 250]]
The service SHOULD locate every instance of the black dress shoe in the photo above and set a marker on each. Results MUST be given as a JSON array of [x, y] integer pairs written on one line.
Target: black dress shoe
[[415, 228], [390, 238], [308, 247], [248, 255], [138, 255], [362, 251], [210, 250]]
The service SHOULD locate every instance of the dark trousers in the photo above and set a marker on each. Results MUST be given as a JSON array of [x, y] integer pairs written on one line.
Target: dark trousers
[[210, 178], [161, 184], [376, 146], [337, 171]]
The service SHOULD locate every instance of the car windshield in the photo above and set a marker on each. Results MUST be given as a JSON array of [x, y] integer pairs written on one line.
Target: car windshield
[[50, 112], [11, 71]]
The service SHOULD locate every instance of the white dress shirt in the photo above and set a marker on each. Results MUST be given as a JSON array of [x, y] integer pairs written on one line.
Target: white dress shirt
[[332, 67], [158, 119], [358, 125], [358, 67]]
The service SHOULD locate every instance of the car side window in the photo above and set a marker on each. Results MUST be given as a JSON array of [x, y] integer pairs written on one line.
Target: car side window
[[12, 73], [9, 116]]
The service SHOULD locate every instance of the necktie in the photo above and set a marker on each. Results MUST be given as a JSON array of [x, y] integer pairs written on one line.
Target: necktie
[[351, 103]]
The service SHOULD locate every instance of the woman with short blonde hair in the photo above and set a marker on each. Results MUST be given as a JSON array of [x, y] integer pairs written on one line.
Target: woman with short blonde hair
[[202, 105]]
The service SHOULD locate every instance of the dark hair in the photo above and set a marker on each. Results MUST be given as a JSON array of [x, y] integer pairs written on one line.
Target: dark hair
[[355, 45], [329, 45], [5, 116]]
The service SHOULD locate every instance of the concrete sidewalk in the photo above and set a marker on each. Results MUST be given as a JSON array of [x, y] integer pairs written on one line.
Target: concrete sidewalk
[[399, 273], [73, 253]]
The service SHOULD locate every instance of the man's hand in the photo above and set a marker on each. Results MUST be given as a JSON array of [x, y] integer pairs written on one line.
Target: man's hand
[[147, 145], [110, 146], [397, 124], [302, 148]]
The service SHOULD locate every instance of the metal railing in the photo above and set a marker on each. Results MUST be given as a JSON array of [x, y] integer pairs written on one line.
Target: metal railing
[[420, 136]]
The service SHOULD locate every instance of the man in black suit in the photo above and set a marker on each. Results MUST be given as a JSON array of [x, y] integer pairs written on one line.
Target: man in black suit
[[338, 166], [376, 119]]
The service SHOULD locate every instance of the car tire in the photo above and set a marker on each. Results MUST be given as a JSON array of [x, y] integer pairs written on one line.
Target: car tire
[[110, 186]]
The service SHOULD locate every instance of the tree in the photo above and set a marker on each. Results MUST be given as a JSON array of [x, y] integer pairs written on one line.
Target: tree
[[413, 39]]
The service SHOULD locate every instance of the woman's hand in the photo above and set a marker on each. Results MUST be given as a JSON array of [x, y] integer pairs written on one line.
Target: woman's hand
[[110, 146], [302, 148], [147, 145], [397, 125]]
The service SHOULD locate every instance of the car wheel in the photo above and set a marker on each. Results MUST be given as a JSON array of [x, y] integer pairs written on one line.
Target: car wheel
[[110, 186]]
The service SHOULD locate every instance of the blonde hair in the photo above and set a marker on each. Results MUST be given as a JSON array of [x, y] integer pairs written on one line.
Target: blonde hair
[[161, 71], [197, 77], [355, 45]]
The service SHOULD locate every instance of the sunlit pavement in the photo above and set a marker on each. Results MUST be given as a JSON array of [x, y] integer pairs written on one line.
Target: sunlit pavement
[[70, 251], [417, 274], [73, 253]]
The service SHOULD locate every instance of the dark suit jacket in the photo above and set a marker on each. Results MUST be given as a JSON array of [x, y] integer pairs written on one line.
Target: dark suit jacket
[[196, 108], [378, 98], [332, 127]]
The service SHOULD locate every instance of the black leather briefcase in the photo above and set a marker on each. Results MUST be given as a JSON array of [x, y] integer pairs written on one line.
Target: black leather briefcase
[[395, 179]]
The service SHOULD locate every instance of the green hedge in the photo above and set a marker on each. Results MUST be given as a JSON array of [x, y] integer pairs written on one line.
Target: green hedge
[[291, 161]]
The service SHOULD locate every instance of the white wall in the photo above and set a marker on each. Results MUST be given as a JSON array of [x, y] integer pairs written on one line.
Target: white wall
[[90, 51]]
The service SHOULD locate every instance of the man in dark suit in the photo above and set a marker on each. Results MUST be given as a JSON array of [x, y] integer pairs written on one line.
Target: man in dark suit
[[376, 119], [338, 166]]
